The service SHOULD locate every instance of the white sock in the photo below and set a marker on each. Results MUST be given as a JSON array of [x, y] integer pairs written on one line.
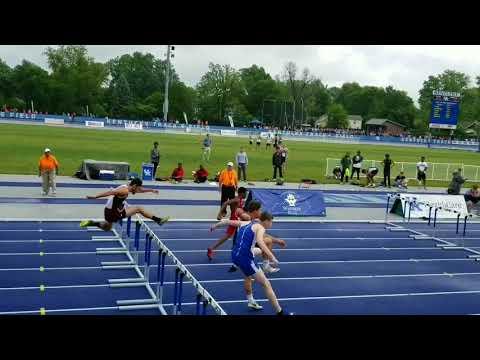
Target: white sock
[[250, 298]]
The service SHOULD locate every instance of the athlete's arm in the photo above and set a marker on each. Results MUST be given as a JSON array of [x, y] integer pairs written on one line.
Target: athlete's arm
[[226, 222], [277, 241], [108, 193], [244, 216], [223, 209], [143, 190], [259, 233]]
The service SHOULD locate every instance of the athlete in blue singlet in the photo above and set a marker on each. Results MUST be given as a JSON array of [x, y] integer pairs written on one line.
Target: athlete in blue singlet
[[244, 251]]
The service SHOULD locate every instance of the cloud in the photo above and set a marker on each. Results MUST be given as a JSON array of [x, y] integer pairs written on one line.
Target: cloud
[[404, 67]]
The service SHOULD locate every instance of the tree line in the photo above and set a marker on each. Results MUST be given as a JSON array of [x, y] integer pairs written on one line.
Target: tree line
[[131, 86]]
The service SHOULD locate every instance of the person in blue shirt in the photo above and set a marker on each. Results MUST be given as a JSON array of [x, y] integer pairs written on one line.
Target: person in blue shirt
[[207, 148], [244, 251]]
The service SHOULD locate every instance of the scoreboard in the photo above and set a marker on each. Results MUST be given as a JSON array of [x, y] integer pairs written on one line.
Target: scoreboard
[[445, 110]]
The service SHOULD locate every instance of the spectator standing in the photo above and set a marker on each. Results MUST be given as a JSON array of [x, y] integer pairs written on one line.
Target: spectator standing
[[346, 162], [422, 167], [48, 169], [228, 183], [277, 162], [284, 152], [456, 183], [472, 197], [268, 142], [207, 148], [155, 157], [242, 163], [387, 167], [259, 141], [357, 164]]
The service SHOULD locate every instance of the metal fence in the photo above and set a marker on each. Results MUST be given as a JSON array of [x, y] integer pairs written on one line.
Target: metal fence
[[436, 171]]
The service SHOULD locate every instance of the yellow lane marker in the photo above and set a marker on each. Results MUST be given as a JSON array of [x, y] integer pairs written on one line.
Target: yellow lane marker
[[41, 253], [42, 311], [42, 288], [41, 241], [42, 269]]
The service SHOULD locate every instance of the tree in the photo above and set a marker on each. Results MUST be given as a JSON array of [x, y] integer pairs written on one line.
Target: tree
[[449, 80], [5, 82], [258, 87], [31, 83], [121, 97], [296, 86], [77, 79], [337, 117], [217, 90], [144, 73]]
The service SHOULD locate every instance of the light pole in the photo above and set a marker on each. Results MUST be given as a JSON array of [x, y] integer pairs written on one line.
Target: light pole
[[167, 81]]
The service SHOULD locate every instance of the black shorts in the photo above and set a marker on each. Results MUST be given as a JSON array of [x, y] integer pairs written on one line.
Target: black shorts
[[251, 142], [113, 215], [471, 198], [228, 193], [421, 176]]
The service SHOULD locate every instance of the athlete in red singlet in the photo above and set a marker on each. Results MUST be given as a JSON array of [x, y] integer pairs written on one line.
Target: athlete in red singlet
[[236, 213]]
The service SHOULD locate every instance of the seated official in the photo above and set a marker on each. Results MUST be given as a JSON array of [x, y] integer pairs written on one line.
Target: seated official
[[337, 173], [178, 173], [201, 175], [472, 197], [401, 181]]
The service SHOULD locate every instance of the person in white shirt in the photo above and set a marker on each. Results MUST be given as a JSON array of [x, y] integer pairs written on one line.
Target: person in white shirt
[[422, 167], [242, 163]]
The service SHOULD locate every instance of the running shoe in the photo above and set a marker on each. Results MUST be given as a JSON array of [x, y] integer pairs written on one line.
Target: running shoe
[[85, 223], [233, 268], [284, 313], [210, 254], [163, 220], [254, 305], [270, 269]]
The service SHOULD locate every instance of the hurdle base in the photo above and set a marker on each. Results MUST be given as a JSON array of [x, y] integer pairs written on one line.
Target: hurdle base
[[127, 280], [137, 302]]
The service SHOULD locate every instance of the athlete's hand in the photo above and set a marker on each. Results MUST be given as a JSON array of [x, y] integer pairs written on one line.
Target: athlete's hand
[[282, 243]]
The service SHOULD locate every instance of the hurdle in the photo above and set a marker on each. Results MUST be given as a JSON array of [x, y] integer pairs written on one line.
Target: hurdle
[[203, 297]]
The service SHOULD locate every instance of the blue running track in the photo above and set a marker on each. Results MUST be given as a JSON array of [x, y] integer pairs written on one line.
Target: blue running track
[[49, 267]]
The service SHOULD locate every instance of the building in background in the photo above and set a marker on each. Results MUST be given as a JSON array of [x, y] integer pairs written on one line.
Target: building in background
[[385, 127]]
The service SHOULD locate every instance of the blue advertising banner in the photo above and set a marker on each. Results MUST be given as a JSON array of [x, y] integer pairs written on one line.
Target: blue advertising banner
[[291, 202], [445, 110]]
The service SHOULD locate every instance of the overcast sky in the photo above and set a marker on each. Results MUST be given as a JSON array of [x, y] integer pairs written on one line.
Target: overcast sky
[[404, 67]]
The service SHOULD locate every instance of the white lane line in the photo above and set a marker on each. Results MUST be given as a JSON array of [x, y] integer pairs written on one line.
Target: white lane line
[[318, 249], [202, 251], [61, 253], [229, 264], [47, 230], [355, 296], [344, 277]]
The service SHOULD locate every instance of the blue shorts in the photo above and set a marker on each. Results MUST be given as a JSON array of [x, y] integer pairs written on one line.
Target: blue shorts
[[246, 264]]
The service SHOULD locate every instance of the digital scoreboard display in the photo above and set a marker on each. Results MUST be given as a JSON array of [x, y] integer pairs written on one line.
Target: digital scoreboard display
[[445, 110]]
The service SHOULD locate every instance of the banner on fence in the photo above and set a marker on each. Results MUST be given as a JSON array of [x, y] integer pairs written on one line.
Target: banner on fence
[[54, 121], [291, 202], [228, 132], [230, 119], [266, 135], [133, 125], [94, 123], [422, 203]]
